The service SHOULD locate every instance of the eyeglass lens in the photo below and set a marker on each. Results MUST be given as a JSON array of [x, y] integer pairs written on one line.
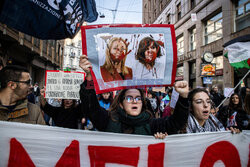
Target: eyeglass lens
[[130, 99]]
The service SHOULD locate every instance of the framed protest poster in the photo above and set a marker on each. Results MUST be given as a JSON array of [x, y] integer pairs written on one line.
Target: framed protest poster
[[129, 55], [63, 84]]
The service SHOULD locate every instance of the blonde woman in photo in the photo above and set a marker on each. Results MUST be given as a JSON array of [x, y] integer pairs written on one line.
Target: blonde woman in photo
[[114, 66]]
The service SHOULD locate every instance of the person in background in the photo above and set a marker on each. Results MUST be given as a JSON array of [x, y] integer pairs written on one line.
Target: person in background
[[68, 115], [154, 103], [214, 110], [200, 118], [31, 97], [216, 96], [233, 115], [37, 92], [55, 103], [105, 100], [114, 66], [128, 113], [14, 106]]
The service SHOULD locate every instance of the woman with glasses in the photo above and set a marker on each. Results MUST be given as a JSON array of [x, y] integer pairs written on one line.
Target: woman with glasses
[[200, 118], [128, 112]]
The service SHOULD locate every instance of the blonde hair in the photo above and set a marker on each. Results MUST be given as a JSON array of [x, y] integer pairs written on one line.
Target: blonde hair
[[108, 62]]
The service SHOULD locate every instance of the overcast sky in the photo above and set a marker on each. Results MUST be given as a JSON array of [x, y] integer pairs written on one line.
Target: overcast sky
[[128, 11]]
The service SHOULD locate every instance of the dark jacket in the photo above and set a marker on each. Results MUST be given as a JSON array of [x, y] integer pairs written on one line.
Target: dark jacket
[[217, 98], [66, 118], [37, 92], [241, 117], [142, 124]]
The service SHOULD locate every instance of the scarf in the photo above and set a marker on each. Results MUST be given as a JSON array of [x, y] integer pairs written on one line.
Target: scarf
[[125, 123], [212, 124]]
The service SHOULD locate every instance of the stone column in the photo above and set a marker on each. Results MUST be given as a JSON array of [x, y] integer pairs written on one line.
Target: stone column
[[199, 43]]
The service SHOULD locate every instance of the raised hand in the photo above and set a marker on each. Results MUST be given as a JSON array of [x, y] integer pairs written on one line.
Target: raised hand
[[42, 99], [182, 88], [85, 65]]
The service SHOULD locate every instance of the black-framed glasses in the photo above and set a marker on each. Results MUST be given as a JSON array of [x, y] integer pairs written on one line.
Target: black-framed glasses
[[28, 82], [131, 99]]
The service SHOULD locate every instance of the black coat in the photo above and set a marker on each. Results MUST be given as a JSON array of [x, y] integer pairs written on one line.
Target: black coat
[[217, 98], [241, 117], [66, 118], [102, 120], [37, 92]]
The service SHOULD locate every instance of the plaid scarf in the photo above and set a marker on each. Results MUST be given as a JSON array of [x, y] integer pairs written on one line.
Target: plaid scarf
[[212, 124]]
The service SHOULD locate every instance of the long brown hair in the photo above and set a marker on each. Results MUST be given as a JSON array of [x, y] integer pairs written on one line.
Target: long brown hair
[[232, 106], [119, 99], [108, 64], [143, 46]]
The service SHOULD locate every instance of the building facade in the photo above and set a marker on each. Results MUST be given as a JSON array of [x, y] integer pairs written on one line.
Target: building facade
[[72, 53], [202, 26], [37, 55]]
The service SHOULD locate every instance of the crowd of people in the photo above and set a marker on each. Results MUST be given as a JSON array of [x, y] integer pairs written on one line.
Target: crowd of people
[[131, 111]]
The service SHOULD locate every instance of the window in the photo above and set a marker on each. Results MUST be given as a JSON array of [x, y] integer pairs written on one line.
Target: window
[[178, 11], [180, 46], [219, 62], [213, 28], [192, 4], [168, 19], [193, 68], [242, 14], [192, 39], [154, 13]]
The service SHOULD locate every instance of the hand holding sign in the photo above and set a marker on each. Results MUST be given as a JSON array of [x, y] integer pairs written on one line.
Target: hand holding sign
[[182, 88], [42, 99], [85, 65]]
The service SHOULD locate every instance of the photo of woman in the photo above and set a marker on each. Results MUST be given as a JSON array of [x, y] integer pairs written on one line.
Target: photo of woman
[[148, 65], [115, 56]]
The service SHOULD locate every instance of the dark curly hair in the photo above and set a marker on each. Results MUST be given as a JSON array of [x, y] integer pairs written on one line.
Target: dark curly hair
[[11, 73], [143, 46]]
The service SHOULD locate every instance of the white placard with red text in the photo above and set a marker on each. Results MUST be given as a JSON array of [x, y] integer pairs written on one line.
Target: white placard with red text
[[37, 145]]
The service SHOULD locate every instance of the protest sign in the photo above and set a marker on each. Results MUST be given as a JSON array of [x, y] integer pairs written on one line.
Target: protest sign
[[36, 145], [228, 92], [62, 84], [174, 98], [126, 56]]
